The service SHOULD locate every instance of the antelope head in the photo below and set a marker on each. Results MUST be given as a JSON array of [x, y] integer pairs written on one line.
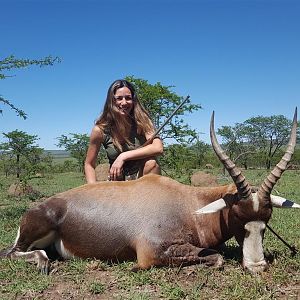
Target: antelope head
[[250, 211]]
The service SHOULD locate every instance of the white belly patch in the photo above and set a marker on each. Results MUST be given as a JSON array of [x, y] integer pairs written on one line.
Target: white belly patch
[[63, 252]]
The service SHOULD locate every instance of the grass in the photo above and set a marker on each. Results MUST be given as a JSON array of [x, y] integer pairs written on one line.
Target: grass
[[92, 279]]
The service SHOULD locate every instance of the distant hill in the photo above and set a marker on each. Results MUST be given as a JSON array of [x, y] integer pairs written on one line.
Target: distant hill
[[58, 153]]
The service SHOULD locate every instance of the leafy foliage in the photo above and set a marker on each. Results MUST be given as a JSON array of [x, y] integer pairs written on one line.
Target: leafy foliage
[[11, 62], [19, 112], [236, 145], [258, 137], [77, 145], [199, 153], [160, 102], [179, 159], [21, 155], [182, 157], [268, 134]]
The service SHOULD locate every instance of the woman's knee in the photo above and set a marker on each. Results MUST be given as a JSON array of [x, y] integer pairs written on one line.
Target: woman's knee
[[151, 166]]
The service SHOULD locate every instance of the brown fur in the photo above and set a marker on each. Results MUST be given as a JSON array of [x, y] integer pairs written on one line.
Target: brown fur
[[151, 218]]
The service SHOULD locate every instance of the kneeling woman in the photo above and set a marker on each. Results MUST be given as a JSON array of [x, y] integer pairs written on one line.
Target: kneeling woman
[[122, 128]]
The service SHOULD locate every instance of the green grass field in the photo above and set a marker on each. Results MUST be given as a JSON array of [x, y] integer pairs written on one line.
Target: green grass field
[[92, 279]]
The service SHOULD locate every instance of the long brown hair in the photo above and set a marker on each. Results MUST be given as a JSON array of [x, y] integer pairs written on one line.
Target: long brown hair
[[119, 127]]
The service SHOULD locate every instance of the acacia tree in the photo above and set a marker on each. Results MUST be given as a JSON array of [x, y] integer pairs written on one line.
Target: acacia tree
[[182, 158], [237, 146], [11, 62], [268, 134], [22, 153], [263, 135], [160, 101], [177, 157], [199, 151], [6, 164]]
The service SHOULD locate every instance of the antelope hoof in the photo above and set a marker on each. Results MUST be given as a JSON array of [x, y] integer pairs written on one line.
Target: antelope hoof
[[135, 268], [43, 266], [213, 260], [219, 263], [138, 267], [256, 268], [44, 270]]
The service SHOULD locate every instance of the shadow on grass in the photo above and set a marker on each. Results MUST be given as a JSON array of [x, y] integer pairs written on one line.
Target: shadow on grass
[[231, 252]]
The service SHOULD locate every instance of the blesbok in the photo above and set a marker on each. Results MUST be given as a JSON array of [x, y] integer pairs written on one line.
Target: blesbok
[[154, 219]]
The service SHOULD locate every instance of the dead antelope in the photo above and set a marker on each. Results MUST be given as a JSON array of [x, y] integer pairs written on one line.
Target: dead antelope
[[154, 219]]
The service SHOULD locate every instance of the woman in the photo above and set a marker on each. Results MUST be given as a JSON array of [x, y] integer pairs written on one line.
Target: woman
[[122, 128]]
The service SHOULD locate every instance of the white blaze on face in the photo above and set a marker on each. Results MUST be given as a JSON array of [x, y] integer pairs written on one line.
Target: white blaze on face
[[253, 256], [255, 202]]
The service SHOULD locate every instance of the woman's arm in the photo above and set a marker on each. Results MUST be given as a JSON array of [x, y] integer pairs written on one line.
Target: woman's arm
[[154, 149], [151, 150], [96, 139]]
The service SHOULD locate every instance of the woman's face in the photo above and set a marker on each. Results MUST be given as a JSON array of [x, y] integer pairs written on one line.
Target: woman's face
[[123, 100]]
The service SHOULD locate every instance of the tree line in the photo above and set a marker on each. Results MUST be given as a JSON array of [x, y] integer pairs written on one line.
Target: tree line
[[256, 142], [20, 154]]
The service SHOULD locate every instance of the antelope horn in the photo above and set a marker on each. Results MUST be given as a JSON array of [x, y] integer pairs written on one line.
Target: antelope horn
[[212, 207], [242, 185], [268, 184], [280, 202]]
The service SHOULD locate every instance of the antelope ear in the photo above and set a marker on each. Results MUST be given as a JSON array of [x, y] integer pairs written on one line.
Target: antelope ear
[[283, 203], [212, 207]]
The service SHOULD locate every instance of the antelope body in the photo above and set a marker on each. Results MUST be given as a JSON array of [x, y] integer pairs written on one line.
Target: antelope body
[[154, 219]]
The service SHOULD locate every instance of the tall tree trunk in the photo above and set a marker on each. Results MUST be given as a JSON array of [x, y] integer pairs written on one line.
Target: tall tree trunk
[[18, 165], [268, 164]]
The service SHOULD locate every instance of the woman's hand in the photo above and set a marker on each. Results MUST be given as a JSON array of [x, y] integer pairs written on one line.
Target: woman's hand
[[116, 169]]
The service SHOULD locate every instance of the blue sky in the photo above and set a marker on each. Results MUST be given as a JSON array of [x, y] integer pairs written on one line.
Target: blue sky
[[239, 58]]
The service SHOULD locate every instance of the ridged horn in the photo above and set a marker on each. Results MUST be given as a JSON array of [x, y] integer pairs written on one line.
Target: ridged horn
[[242, 185], [268, 184]]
